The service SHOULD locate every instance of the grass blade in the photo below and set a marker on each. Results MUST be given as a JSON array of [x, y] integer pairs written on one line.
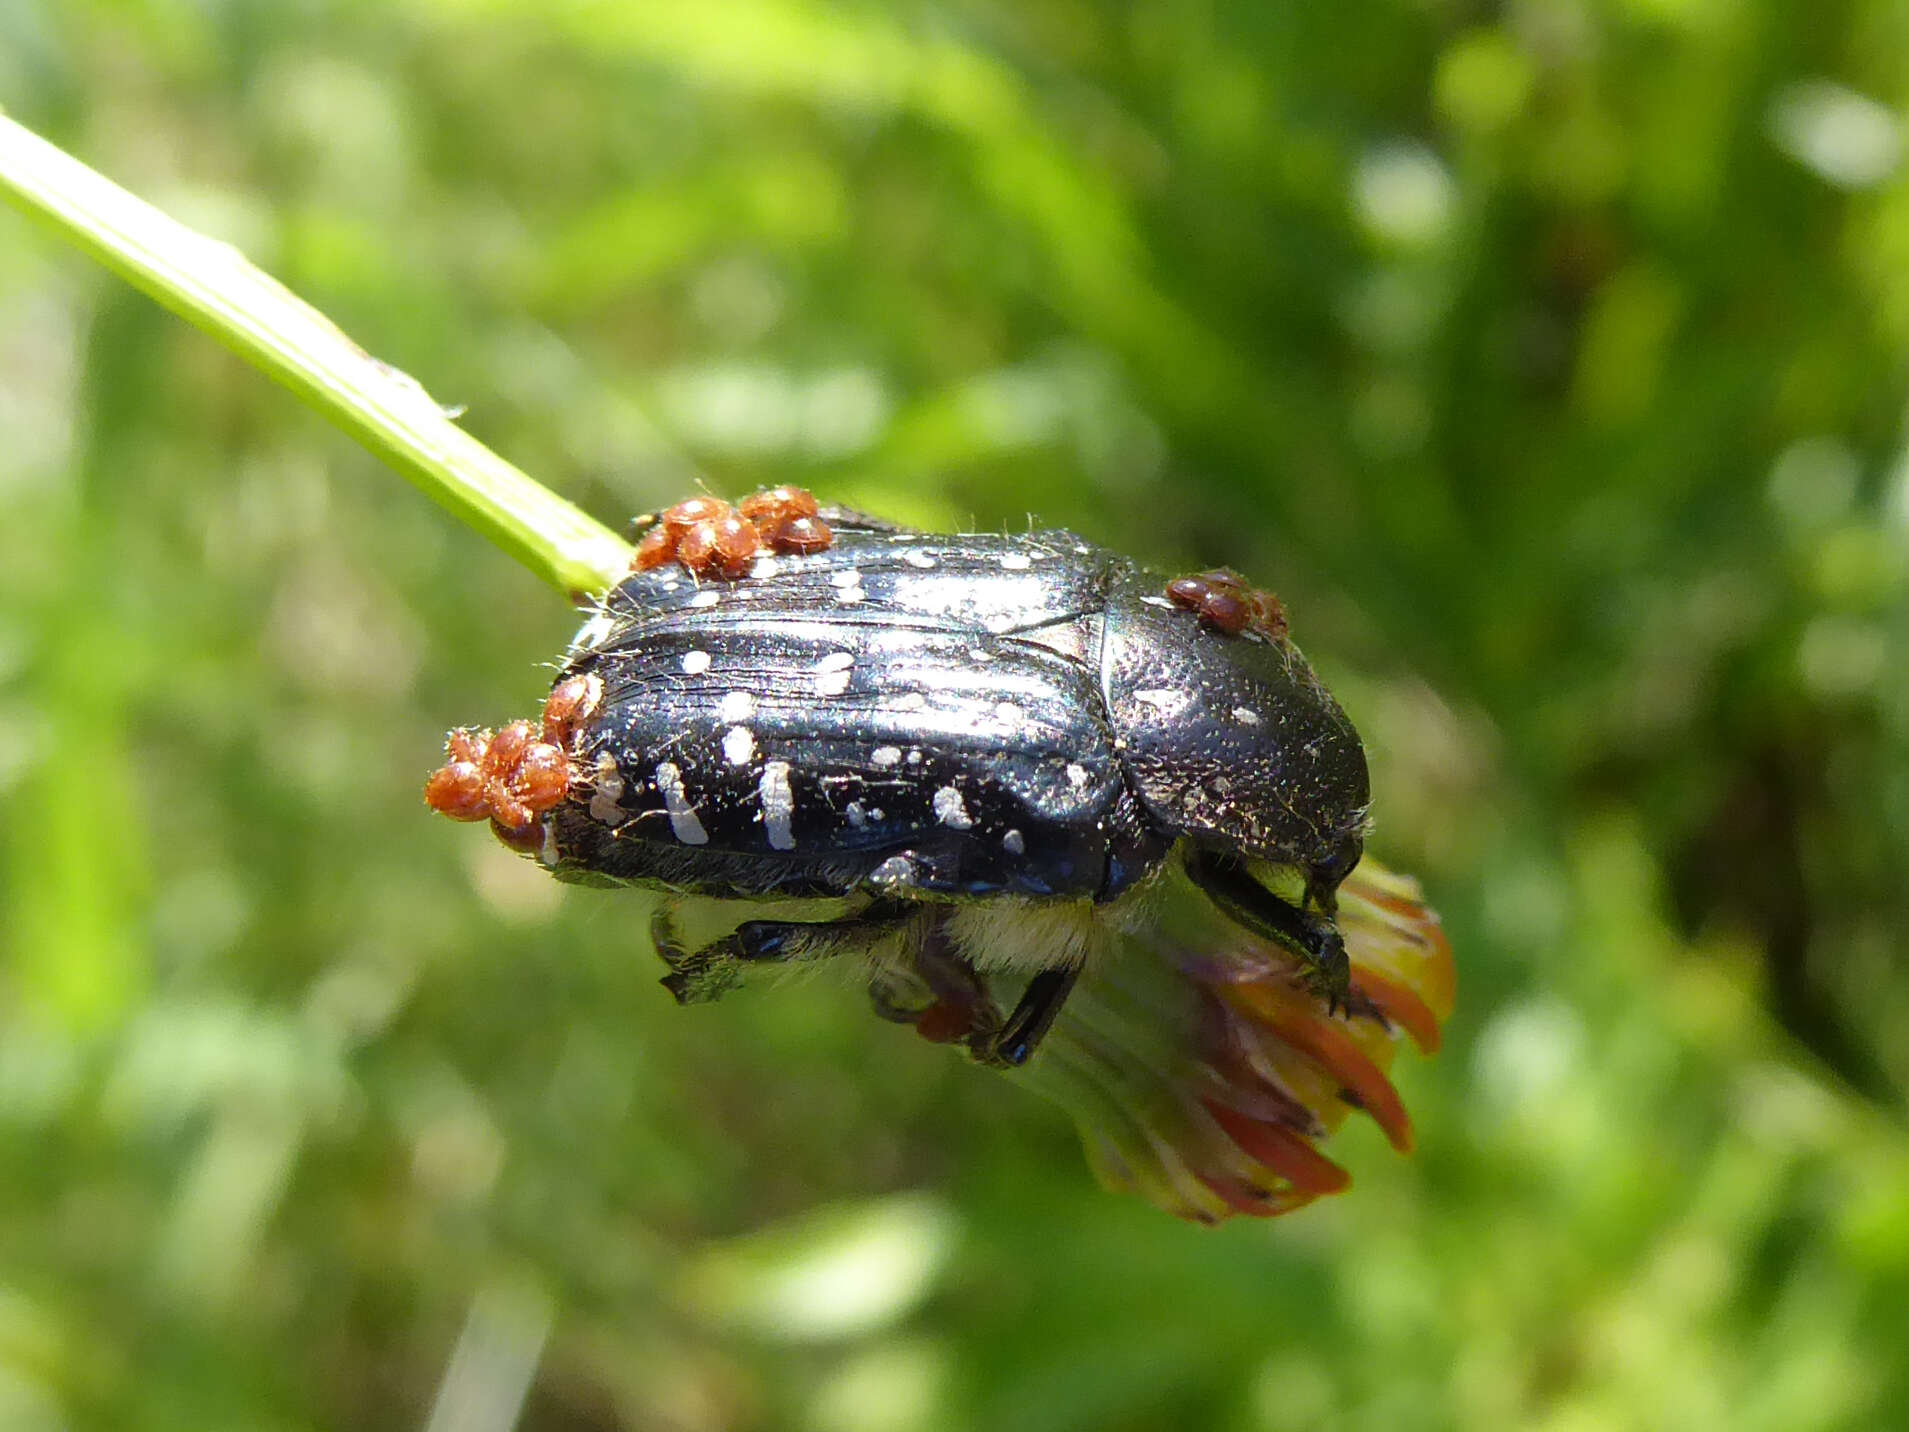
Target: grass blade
[[212, 285]]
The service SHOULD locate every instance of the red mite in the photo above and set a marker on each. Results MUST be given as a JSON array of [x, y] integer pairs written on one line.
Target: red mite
[[1226, 603], [511, 777], [786, 518], [713, 539]]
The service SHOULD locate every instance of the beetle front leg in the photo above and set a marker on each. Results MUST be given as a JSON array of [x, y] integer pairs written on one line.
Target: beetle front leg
[[1311, 936]]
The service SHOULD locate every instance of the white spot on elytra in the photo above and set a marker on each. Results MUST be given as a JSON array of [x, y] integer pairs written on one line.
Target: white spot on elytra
[[1013, 844], [593, 632], [886, 756], [736, 706], [919, 559], [705, 599], [1077, 776], [592, 698], [695, 663], [1015, 561], [950, 810], [831, 673], [1162, 698], [683, 823], [896, 870], [739, 745], [607, 791], [778, 804], [1246, 716]]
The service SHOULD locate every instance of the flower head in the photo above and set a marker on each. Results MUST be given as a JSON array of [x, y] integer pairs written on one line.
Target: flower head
[[1202, 1069]]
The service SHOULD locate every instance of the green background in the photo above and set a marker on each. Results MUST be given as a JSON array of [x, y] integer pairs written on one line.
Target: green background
[[1548, 359]]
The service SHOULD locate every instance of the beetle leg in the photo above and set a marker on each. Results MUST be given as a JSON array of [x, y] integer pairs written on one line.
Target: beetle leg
[[962, 1010], [700, 975], [1311, 936], [1033, 1016], [695, 976], [773, 941]]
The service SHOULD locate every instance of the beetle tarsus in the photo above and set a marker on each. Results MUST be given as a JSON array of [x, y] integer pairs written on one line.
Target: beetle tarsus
[[696, 976], [1331, 975]]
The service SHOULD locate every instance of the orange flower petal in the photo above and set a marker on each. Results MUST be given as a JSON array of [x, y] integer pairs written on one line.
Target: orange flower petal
[[1254, 1204], [1401, 1006], [1386, 925], [1282, 1151], [1333, 1050], [1238, 1199]]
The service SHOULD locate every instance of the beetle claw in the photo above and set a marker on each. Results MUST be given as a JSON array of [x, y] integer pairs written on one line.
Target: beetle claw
[[1330, 977]]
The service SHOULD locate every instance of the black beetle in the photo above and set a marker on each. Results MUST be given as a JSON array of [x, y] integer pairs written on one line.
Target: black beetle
[[920, 722]]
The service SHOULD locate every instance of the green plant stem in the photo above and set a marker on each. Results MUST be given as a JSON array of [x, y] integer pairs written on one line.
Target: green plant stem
[[212, 285]]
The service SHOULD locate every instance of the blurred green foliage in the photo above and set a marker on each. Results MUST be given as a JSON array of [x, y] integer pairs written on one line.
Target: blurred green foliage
[[1548, 358]]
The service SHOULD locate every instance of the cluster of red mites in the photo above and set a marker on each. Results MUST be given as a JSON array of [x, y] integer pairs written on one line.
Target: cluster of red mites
[[713, 539], [1226, 603], [512, 776]]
